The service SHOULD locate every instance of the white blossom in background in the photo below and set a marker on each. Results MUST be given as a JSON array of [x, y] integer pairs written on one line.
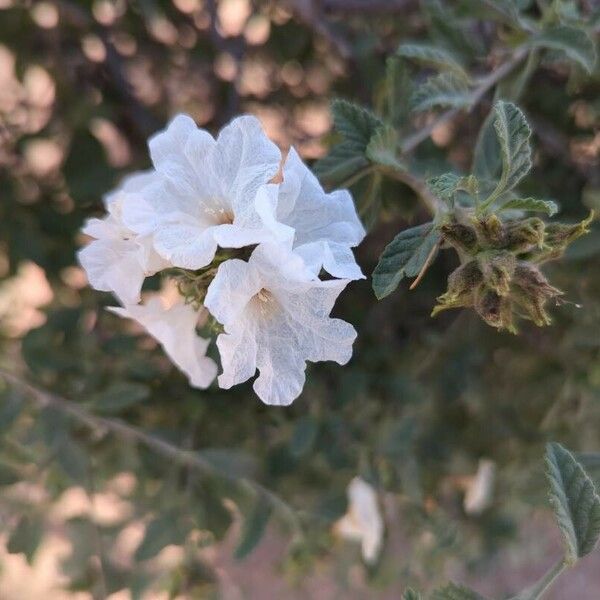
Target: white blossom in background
[[480, 488], [206, 192], [231, 192], [326, 225], [363, 521], [275, 318], [118, 260], [174, 327]]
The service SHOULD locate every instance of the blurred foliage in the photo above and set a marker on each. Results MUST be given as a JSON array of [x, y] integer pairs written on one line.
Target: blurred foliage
[[82, 85]]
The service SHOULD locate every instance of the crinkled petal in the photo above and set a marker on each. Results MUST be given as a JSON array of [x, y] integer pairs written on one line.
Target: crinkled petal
[[169, 143], [337, 259], [186, 245], [114, 266], [228, 294], [238, 352], [175, 329]]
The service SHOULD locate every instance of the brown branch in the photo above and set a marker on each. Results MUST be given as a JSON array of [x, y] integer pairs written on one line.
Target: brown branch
[[130, 433]]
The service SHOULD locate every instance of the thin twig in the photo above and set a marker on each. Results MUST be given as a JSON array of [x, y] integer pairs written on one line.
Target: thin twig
[[425, 266], [132, 434]]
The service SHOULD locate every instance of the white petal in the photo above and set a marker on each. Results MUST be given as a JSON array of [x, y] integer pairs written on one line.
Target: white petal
[[336, 259], [169, 143], [238, 354], [186, 245], [228, 294], [175, 329], [114, 266]]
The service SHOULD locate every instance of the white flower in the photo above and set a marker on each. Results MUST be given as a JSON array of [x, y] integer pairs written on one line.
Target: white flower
[[362, 522], [480, 488], [175, 329], [326, 225], [208, 192], [118, 260], [276, 317]]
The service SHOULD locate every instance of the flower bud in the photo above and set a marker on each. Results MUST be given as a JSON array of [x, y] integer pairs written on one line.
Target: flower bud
[[462, 237], [490, 230], [494, 309], [522, 236], [462, 284], [497, 268]]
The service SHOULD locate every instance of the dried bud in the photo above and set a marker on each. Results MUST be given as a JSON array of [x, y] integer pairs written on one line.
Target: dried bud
[[557, 238], [523, 236], [531, 290], [490, 231], [494, 309], [462, 284], [497, 268], [462, 237]]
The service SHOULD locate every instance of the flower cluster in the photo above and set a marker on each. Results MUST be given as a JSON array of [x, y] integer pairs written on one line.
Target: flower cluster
[[246, 232]]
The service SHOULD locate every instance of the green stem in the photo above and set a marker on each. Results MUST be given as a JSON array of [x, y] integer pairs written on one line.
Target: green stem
[[544, 584]]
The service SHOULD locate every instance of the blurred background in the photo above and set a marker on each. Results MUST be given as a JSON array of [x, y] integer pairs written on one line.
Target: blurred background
[[93, 506]]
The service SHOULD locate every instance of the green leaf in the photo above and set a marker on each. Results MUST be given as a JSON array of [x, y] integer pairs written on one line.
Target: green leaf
[[573, 42], [341, 163], [447, 185], [433, 56], [445, 89], [487, 158], [355, 123], [383, 148], [411, 594], [456, 592], [575, 501], [119, 396], [531, 204], [513, 135], [398, 86], [26, 537], [161, 532], [255, 525], [304, 436], [404, 256]]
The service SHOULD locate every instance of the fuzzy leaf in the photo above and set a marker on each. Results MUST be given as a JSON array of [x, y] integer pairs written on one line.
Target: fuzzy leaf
[[403, 257], [487, 158], [355, 123], [255, 524], [455, 592], [447, 185], [575, 501], [531, 204], [513, 134], [398, 91], [434, 56], [445, 89], [341, 162], [573, 42], [383, 148]]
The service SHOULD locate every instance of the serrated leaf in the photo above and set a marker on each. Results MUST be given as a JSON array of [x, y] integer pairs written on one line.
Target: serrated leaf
[[573, 42], [254, 527], [411, 594], [383, 148], [26, 536], [531, 204], [404, 256], [456, 592], [487, 158], [355, 123], [341, 163], [447, 185], [575, 501], [119, 396], [513, 133], [433, 56], [161, 532], [443, 90]]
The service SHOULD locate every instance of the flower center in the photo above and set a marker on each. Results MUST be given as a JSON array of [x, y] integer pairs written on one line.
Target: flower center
[[220, 215], [265, 301]]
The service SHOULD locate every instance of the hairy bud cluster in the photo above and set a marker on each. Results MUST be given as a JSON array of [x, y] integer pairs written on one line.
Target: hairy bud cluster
[[499, 275]]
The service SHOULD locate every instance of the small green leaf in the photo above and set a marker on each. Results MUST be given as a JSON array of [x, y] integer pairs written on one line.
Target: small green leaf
[[445, 89], [255, 525], [26, 537], [432, 56], [411, 594], [355, 123], [161, 532], [575, 501], [447, 185], [487, 158], [513, 135], [119, 396], [531, 204], [456, 592], [574, 42], [404, 256], [383, 148]]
